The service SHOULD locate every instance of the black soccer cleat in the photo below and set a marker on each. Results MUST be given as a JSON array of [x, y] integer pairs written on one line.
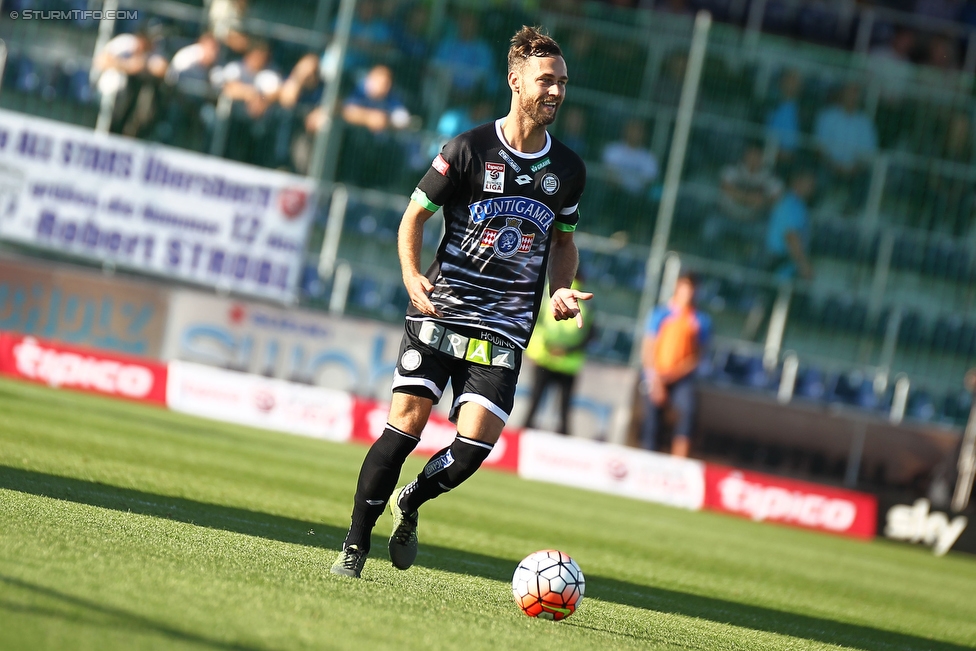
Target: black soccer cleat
[[403, 541]]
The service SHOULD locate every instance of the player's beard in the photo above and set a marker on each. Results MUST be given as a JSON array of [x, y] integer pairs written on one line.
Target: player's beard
[[534, 110]]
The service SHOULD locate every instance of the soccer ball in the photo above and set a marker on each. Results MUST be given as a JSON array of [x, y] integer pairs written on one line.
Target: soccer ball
[[548, 584]]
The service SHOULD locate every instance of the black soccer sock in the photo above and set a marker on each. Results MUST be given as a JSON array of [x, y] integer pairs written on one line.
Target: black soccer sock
[[445, 470], [377, 479]]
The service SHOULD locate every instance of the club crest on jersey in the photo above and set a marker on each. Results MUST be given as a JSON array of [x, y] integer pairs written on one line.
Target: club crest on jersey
[[494, 177], [508, 240], [550, 183]]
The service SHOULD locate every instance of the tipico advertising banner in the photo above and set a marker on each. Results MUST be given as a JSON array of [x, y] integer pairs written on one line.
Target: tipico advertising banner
[[155, 209], [765, 498], [69, 367]]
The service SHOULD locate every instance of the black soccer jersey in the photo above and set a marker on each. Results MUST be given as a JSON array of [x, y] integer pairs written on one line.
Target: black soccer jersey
[[500, 207]]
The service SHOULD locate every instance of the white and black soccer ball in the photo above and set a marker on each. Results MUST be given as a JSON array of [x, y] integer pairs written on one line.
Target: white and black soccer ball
[[548, 584]]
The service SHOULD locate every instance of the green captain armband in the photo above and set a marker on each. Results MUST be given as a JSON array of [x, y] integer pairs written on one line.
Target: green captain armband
[[565, 228], [419, 196]]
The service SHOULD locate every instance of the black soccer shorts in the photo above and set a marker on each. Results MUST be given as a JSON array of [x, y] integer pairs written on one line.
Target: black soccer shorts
[[481, 370]]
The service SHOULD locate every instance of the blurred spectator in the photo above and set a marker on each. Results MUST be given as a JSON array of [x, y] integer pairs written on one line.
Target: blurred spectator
[[783, 122], [374, 104], [226, 18], [372, 111], [748, 189], [191, 65], [675, 7], [370, 35], [410, 32], [667, 90], [131, 70], [631, 169], [412, 46], [949, 195], [630, 165], [788, 232], [572, 130], [847, 140], [300, 99], [558, 350], [188, 88], [253, 85], [893, 62], [941, 9], [252, 80], [941, 65], [467, 58], [674, 340], [454, 121]]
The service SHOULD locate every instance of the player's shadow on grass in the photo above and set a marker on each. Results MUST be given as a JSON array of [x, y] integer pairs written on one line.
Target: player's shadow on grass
[[290, 530]]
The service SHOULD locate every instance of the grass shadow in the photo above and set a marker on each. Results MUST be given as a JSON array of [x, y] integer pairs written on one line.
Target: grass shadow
[[103, 614], [295, 531]]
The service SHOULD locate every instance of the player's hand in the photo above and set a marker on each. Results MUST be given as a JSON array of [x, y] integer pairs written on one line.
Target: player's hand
[[419, 289], [565, 304]]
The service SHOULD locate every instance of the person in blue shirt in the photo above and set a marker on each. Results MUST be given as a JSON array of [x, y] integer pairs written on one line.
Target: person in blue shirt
[[783, 122], [467, 59], [788, 233], [847, 141]]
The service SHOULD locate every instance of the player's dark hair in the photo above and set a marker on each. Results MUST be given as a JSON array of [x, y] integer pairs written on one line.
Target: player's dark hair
[[531, 42]]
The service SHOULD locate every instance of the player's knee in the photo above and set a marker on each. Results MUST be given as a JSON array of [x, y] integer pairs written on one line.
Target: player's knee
[[410, 413]]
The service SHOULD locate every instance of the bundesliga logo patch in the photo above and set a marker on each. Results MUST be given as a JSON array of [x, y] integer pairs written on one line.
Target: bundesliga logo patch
[[508, 240], [495, 177]]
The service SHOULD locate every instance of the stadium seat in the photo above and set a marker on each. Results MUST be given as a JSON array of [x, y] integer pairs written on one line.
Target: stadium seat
[[907, 253], [810, 383], [920, 406], [853, 388], [956, 407], [911, 331]]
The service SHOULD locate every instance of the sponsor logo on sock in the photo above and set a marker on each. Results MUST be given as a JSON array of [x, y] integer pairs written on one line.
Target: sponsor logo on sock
[[375, 502], [438, 463]]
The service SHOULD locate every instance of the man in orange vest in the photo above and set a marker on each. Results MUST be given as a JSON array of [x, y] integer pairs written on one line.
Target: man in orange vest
[[674, 340]]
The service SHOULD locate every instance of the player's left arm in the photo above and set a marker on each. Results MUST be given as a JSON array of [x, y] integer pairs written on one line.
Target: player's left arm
[[563, 260]]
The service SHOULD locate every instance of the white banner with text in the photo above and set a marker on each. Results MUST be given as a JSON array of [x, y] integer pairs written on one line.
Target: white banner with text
[[152, 208]]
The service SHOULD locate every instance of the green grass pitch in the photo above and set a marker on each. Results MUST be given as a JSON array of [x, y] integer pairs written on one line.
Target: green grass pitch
[[129, 527]]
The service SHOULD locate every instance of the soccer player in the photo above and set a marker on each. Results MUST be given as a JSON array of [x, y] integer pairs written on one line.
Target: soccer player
[[510, 194]]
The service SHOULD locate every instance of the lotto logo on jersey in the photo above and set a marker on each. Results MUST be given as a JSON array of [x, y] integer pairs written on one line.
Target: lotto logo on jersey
[[508, 240], [495, 177]]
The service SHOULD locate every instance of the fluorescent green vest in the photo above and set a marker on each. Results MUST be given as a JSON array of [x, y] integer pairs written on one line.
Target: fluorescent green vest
[[559, 345]]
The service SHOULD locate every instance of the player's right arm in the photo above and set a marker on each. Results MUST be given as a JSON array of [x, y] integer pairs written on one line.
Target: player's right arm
[[434, 190], [410, 241]]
